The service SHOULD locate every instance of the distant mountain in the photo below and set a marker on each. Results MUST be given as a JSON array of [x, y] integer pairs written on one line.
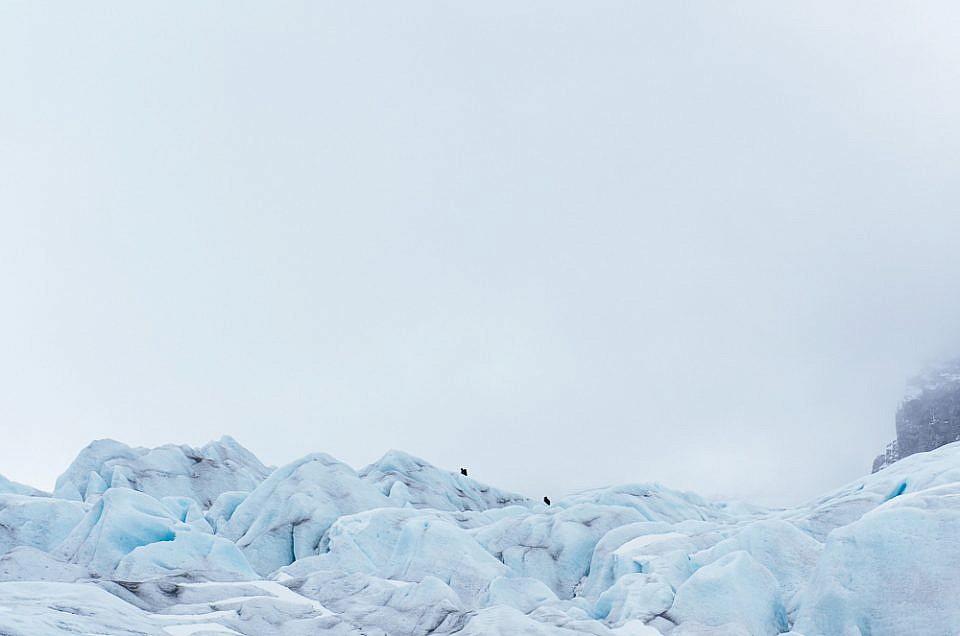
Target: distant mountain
[[929, 416]]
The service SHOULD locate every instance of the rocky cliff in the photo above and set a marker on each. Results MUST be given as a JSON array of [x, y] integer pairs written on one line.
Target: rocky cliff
[[929, 416]]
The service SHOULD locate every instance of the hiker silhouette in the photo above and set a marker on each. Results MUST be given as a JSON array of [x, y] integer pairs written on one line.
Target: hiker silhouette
[[463, 471], [546, 500]]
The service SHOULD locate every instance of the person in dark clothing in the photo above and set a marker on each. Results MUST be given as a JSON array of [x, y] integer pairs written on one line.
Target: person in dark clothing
[[546, 500], [463, 471]]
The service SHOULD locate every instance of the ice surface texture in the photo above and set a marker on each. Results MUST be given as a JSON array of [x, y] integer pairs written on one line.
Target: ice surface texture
[[182, 541], [201, 474]]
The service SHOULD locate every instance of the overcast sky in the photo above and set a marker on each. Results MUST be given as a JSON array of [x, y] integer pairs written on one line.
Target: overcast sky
[[562, 244]]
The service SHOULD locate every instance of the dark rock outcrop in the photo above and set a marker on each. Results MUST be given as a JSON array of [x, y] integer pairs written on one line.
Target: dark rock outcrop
[[929, 416]]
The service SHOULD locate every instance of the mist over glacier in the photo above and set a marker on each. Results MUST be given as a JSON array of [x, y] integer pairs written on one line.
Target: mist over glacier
[[552, 241], [176, 540]]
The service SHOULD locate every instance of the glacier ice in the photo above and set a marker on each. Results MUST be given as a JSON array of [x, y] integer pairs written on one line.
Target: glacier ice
[[555, 546], [25, 563], [520, 592], [189, 554], [407, 545], [38, 522], [15, 488], [779, 546], [45, 608], [131, 536], [409, 480], [176, 540], [286, 516], [895, 570], [373, 603], [201, 474], [733, 593]]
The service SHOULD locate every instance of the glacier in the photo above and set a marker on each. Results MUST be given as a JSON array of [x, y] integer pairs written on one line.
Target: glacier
[[180, 541]]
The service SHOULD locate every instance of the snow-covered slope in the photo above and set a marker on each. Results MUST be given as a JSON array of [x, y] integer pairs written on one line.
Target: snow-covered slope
[[178, 541]]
